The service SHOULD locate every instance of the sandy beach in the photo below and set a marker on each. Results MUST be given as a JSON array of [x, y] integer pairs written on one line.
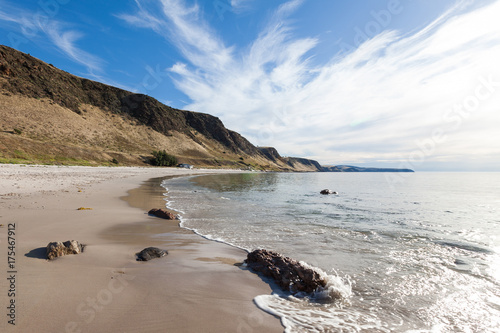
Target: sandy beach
[[196, 288]]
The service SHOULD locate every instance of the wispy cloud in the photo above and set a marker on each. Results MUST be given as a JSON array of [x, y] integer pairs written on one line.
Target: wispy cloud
[[239, 6], [376, 103], [37, 25], [66, 41]]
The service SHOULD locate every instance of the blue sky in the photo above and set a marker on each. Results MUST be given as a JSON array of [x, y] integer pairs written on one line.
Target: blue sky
[[372, 83]]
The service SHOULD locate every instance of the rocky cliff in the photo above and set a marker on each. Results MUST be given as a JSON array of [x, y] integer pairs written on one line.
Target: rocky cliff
[[300, 163], [295, 163], [49, 115]]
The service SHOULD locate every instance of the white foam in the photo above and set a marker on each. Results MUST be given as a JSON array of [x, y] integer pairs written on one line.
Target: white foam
[[325, 310], [299, 315], [337, 289]]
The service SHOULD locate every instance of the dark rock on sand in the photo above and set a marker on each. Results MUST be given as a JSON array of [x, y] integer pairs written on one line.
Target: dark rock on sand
[[289, 274], [162, 214], [58, 249], [151, 253], [327, 191]]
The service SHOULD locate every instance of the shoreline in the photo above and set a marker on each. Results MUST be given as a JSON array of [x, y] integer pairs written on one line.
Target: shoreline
[[196, 287]]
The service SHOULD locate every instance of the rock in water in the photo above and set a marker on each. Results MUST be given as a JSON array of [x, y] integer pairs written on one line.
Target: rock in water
[[163, 214], [289, 274], [58, 249], [327, 191], [151, 253]]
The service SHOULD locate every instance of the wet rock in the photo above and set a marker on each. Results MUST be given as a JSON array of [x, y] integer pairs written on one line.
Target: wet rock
[[58, 249], [289, 274], [151, 253], [162, 214], [327, 191]]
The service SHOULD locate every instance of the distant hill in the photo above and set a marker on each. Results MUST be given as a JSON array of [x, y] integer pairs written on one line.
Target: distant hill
[[50, 116], [349, 168], [297, 163]]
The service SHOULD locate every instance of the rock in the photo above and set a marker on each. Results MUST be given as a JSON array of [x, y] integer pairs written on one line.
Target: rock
[[58, 249], [327, 191], [289, 274], [162, 214], [151, 253]]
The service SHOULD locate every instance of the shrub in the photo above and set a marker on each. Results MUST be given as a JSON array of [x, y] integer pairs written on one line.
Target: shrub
[[18, 131], [161, 158], [114, 161]]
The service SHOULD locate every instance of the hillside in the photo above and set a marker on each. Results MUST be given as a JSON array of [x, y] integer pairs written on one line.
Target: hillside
[[51, 116], [296, 163]]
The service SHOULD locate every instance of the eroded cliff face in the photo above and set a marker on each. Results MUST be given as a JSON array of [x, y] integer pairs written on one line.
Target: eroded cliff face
[[299, 163], [292, 163], [272, 154]]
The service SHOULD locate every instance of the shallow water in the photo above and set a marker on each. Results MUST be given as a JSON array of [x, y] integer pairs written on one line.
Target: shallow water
[[421, 256]]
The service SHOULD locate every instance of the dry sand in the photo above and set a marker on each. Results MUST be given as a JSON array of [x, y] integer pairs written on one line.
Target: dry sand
[[196, 288]]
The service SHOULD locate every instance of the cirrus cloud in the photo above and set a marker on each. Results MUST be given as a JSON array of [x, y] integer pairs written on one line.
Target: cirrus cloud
[[374, 105], [33, 25]]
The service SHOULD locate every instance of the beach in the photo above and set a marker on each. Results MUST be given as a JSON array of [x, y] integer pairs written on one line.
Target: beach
[[198, 286]]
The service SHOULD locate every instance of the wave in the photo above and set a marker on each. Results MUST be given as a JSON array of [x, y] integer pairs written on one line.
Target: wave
[[467, 247], [311, 312]]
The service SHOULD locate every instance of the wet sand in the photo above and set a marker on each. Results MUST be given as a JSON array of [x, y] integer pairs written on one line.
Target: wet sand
[[196, 288]]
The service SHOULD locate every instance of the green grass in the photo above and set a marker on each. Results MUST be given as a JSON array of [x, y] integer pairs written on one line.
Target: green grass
[[21, 157], [8, 160]]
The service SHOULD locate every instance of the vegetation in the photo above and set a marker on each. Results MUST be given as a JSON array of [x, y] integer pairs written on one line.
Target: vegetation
[[21, 157], [161, 158]]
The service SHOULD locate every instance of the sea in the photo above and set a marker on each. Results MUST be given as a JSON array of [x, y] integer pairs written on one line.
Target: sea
[[412, 252]]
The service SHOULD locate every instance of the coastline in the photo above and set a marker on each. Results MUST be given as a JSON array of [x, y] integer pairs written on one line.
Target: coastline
[[195, 288]]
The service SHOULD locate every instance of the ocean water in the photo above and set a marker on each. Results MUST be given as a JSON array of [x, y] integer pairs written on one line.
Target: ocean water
[[418, 255]]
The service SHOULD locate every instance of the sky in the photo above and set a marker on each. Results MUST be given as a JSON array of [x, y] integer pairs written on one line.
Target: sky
[[381, 83]]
